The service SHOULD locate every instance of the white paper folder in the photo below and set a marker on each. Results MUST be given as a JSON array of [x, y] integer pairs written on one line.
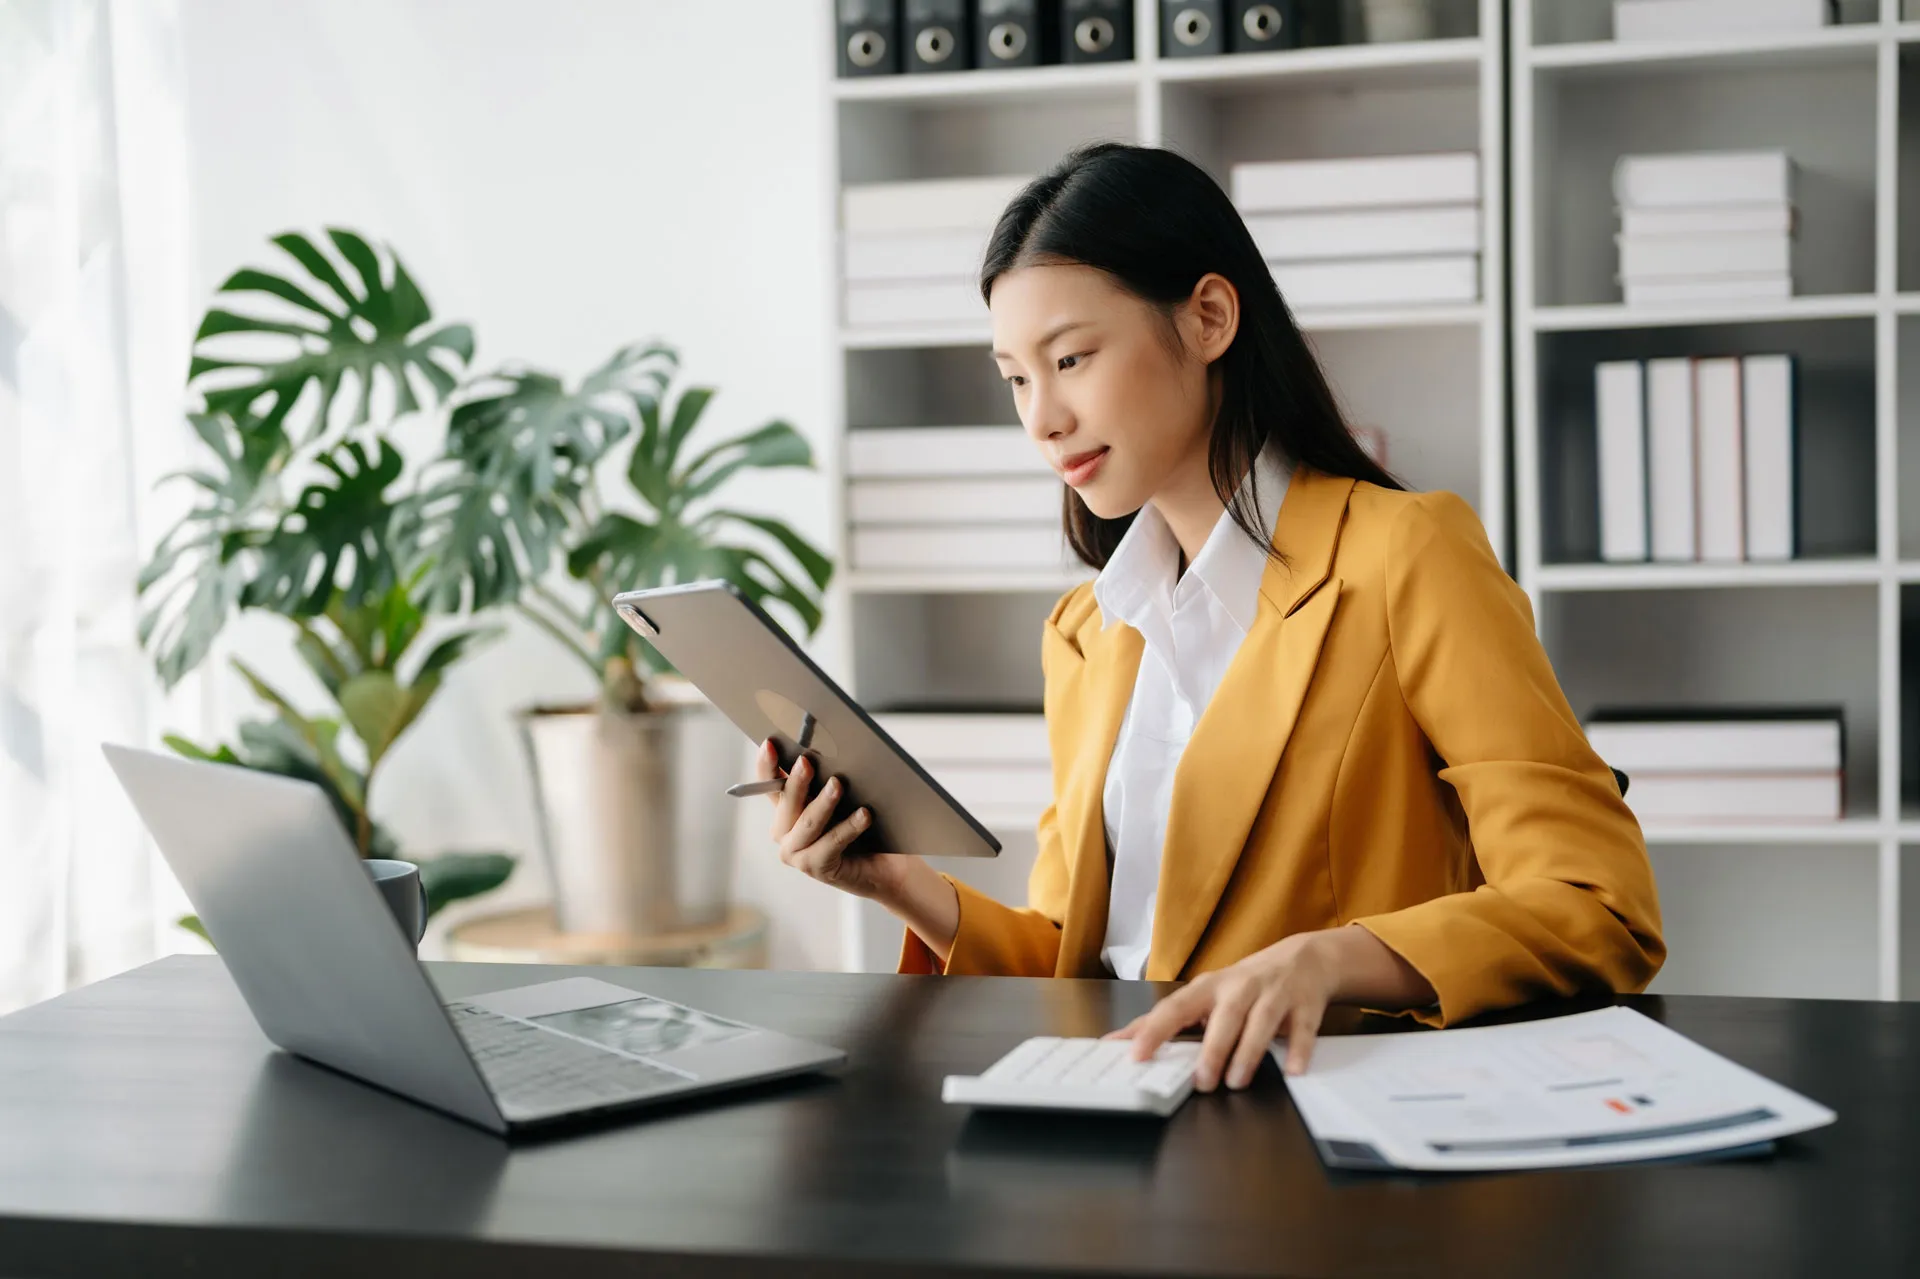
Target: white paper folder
[[1621, 427], [1363, 182], [1767, 401], [1635, 20], [943, 451], [1702, 178], [928, 205], [877, 303], [1412, 281], [913, 255], [1721, 253], [962, 547], [1366, 233], [988, 500]]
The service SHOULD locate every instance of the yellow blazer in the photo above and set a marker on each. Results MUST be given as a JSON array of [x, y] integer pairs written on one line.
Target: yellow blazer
[[1389, 747]]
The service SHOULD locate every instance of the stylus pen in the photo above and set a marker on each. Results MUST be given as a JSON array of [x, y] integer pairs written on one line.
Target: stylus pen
[[740, 790]]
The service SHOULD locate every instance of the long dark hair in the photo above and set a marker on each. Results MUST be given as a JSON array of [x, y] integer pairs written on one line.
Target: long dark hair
[[1156, 222]]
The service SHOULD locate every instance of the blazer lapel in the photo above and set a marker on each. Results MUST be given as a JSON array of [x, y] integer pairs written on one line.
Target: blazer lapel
[[1098, 690], [1229, 762]]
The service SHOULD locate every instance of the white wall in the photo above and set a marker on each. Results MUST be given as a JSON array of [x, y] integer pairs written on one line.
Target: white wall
[[567, 175]]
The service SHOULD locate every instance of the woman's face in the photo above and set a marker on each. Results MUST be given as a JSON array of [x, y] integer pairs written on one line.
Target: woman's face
[[1118, 412]]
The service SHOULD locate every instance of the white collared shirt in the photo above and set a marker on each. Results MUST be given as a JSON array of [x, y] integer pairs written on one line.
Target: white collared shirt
[[1192, 628]]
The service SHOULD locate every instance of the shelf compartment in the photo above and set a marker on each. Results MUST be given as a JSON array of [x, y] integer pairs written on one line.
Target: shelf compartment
[[976, 136], [1824, 116], [1836, 444], [1719, 648], [1907, 436], [944, 385], [1565, 25], [949, 650], [1783, 921], [1430, 411]]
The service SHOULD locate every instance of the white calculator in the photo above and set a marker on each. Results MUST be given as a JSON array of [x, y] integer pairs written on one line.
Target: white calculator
[[1046, 1073]]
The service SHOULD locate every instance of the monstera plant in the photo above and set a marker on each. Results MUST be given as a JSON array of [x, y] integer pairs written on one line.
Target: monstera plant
[[307, 510], [303, 511]]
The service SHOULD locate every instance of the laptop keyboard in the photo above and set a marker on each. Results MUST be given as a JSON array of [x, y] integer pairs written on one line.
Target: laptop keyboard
[[534, 1071]]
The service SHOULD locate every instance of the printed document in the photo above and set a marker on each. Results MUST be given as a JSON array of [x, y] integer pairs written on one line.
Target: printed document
[[1609, 1086]]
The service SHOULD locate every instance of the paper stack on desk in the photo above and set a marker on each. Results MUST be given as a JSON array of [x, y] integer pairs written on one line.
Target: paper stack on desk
[[1603, 1087]]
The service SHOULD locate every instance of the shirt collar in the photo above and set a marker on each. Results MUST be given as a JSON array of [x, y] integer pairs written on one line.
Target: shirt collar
[[1138, 580]]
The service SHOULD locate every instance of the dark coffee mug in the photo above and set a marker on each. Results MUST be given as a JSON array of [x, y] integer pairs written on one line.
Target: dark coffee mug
[[399, 882]]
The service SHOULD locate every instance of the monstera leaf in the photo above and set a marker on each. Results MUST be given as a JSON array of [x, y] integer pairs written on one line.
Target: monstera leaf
[[337, 539], [682, 542], [521, 458], [331, 333], [199, 572]]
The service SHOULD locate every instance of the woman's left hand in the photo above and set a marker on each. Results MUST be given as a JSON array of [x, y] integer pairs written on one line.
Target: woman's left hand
[[1284, 989]]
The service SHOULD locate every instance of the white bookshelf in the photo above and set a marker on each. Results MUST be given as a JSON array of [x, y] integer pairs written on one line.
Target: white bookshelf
[[977, 636], [1822, 909]]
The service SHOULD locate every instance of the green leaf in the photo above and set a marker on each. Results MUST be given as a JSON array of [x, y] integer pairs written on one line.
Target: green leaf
[[193, 925], [686, 413], [337, 537], [385, 346], [774, 445], [452, 876], [378, 710], [815, 564], [520, 460], [201, 568]]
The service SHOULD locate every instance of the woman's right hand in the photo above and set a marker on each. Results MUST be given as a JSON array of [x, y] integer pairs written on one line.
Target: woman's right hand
[[810, 846]]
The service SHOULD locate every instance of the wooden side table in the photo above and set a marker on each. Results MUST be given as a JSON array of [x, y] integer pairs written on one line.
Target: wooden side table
[[532, 936]]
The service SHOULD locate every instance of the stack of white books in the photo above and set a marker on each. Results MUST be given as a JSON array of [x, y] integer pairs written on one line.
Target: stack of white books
[[1732, 764], [995, 764], [952, 499], [1377, 231], [1696, 459], [910, 252], [1696, 19], [1708, 226]]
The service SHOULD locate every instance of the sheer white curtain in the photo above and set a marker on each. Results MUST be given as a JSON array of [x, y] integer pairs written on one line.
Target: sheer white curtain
[[93, 334]]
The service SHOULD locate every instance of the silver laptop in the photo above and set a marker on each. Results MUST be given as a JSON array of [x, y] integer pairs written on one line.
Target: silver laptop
[[328, 974]]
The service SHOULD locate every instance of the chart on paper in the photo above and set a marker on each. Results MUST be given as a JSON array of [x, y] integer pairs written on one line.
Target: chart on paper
[[1598, 1087]]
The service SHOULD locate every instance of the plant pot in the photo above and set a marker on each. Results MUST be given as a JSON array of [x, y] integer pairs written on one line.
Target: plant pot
[[634, 820]]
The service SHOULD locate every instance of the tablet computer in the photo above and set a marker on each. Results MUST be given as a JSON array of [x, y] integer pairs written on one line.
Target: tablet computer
[[759, 678]]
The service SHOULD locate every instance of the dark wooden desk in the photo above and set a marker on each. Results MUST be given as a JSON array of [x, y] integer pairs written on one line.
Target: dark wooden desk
[[146, 1128]]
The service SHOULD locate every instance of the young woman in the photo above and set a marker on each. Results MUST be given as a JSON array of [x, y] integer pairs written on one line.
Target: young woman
[[1307, 749]]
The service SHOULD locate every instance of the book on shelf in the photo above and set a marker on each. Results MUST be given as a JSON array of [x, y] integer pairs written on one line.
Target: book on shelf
[[1635, 20], [1707, 289], [1696, 458], [1708, 220], [1366, 233], [1359, 182], [913, 255], [1645, 740], [1659, 257], [961, 547], [942, 452], [878, 303], [970, 737], [1695, 178], [1770, 438], [1410, 281], [1621, 436], [934, 204], [1024, 499], [1720, 473], [1736, 798], [1670, 454]]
